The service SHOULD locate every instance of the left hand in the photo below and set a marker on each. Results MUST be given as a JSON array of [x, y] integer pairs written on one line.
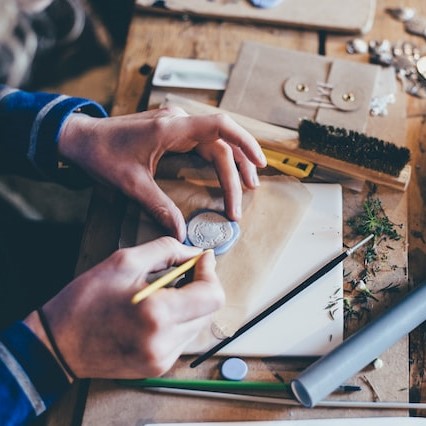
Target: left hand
[[125, 151], [100, 333]]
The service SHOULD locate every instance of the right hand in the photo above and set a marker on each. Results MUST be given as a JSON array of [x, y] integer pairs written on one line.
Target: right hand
[[125, 150], [101, 334]]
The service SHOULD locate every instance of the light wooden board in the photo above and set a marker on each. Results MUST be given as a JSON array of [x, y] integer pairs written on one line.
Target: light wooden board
[[344, 16], [149, 38]]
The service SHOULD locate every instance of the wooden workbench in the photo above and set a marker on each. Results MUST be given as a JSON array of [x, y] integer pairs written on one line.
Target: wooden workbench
[[152, 36]]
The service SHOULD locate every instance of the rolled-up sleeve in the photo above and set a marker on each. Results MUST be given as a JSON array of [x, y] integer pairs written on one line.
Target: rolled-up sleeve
[[30, 125], [30, 378]]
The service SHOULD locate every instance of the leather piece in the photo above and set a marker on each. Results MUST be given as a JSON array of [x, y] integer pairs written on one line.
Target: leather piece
[[265, 79]]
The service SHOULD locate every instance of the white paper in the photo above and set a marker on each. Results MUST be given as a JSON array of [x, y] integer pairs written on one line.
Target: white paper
[[302, 326], [191, 73]]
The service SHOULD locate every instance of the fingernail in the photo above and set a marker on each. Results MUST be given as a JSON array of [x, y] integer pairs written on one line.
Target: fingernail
[[174, 224], [255, 179], [262, 159], [210, 253]]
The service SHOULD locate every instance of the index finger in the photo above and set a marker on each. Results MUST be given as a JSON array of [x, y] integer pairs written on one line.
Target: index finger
[[210, 128]]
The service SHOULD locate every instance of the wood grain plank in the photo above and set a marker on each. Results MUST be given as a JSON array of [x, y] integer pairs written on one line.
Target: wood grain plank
[[150, 37], [386, 27], [417, 252], [136, 406], [153, 36]]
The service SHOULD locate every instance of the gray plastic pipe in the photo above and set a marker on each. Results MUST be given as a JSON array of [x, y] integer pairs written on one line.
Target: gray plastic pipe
[[332, 370]]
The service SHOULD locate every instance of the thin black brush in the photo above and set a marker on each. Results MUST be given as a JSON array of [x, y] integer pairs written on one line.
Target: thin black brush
[[353, 147], [280, 302]]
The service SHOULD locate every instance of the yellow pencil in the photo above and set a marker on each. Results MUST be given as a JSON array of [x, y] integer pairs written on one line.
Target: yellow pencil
[[166, 278]]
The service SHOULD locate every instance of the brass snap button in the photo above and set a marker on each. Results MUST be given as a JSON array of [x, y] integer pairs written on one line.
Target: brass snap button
[[346, 98], [300, 88]]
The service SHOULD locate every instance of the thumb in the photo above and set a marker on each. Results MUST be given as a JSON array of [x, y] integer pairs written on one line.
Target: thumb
[[162, 209]]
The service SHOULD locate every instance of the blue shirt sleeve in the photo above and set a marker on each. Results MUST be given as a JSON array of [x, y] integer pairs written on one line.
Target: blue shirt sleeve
[[30, 378], [30, 125]]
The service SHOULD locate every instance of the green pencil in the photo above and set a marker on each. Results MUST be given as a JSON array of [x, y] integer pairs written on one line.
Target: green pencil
[[211, 385]]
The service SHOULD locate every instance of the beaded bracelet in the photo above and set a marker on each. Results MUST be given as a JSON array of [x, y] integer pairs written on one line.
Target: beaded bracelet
[[52, 341]]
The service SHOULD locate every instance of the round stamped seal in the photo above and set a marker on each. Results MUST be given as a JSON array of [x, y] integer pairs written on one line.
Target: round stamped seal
[[210, 229]]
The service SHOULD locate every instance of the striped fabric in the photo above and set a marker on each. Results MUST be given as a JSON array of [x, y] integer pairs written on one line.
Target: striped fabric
[[30, 378], [22, 379]]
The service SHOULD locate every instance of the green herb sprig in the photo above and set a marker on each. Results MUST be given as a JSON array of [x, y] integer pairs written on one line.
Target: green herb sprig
[[373, 220]]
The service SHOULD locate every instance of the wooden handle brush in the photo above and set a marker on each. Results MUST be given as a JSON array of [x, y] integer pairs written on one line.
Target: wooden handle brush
[[360, 156]]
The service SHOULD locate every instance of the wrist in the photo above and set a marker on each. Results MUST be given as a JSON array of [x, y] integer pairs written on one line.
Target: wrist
[[73, 137], [34, 323]]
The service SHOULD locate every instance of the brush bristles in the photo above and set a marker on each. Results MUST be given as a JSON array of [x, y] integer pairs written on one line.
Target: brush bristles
[[353, 147]]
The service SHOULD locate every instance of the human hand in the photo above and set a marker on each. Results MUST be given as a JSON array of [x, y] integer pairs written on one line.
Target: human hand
[[124, 151], [100, 333]]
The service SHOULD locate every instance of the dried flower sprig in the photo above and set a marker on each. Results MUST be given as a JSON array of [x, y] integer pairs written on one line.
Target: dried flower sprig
[[358, 301], [364, 292], [349, 310]]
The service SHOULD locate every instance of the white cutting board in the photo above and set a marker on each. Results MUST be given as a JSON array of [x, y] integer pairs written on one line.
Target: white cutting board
[[303, 325]]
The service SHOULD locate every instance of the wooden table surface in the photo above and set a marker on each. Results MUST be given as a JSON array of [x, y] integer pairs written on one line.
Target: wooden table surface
[[152, 36]]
